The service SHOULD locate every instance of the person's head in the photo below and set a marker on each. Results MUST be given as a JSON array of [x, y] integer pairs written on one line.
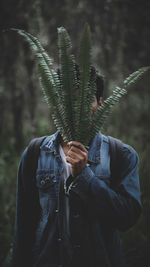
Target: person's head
[[99, 84], [99, 88], [99, 81]]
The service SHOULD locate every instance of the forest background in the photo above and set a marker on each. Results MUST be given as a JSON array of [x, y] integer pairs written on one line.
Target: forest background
[[120, 41]]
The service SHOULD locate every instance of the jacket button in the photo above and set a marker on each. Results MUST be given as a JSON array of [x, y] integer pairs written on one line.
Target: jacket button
[[42, 182], [59, 239], [56, 210]]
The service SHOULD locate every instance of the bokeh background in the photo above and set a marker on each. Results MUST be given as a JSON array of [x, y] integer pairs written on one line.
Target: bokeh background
[[121, 44]]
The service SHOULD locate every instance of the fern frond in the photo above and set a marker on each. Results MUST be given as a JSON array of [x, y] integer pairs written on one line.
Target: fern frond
[[52, 99], [49, 79], [71, 97], [135, 76], [35, 45], [68, 79], [41, 55], [105, 110], [85, 90]]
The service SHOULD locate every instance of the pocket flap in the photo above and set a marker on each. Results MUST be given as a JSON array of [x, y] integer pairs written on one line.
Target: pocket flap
[[44, 181]]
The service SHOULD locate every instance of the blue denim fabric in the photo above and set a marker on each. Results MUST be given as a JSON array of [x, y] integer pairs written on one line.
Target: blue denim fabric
[[97, 212]]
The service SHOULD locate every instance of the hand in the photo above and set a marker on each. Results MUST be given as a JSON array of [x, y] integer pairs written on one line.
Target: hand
[[77, 156]]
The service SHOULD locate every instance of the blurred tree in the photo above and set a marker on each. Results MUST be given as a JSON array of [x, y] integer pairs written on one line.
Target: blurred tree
[[17, 66]]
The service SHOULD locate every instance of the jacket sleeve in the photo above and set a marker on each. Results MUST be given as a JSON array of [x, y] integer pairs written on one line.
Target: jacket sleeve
[[122, 206], [23, 234]]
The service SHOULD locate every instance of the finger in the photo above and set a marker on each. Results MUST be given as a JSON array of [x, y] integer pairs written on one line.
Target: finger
[[75, 155], [78, 151], [77, 144], [71, 160]]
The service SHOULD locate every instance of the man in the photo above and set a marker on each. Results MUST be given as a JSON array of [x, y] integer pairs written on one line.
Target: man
[[72, 216]]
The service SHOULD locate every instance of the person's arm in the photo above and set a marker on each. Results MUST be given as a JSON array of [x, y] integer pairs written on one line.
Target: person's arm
[[121, 207], [23, 236]]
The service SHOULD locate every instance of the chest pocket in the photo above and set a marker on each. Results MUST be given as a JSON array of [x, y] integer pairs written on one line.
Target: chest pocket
[[47, 184]]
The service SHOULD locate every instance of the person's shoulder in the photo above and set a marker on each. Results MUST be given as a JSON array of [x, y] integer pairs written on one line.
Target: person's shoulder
[[127, 150], [42, 139], [131, 154]]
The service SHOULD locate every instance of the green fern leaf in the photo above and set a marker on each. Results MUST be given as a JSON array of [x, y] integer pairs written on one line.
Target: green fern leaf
[[105, 110], [83, 109], [135, 76], [68, 79], [69, 97], [49, 80]]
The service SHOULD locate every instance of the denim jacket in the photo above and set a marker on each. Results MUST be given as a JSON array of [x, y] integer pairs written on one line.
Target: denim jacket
[[97, 210]]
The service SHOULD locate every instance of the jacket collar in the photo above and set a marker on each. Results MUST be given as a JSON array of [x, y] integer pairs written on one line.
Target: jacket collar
[[94, 149], [51, 145]]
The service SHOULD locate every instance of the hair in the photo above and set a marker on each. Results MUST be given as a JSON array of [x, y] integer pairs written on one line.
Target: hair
[[99, 83], [99, 80]]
